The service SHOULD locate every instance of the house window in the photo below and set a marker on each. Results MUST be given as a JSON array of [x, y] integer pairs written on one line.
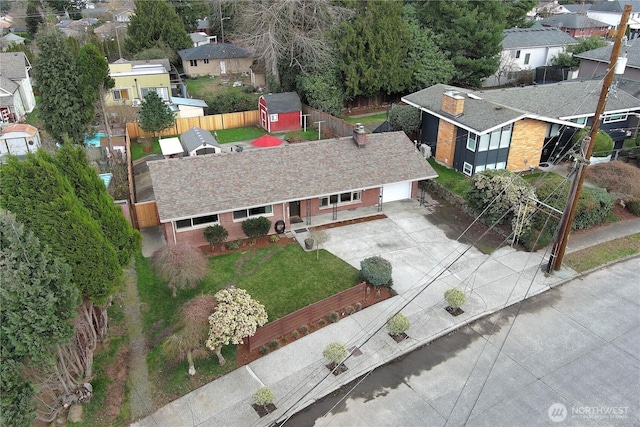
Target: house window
[[501, 165], [484, 142], [517, 54], [196, 221], [162, 92], [467, 168], [526, 58], [257, 211], [505, 137], [494, 142], [273, 118], [479, 168], [611, 118], [206, 61], [340, 199], [553, 129], [472, 139], [580, 120], [193, 62], [120, 94]]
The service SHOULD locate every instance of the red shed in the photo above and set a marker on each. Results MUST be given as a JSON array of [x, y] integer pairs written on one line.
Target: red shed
[[280, 112]]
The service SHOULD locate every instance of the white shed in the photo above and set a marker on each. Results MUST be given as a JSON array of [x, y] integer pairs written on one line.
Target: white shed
[[19, 139], [197, 141]]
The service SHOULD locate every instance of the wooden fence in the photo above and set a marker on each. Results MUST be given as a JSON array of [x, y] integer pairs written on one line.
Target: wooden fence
[[332, 127], [215, 122], [284, 325]]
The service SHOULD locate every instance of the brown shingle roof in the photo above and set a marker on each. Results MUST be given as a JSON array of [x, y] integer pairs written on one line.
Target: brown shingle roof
[[202, 185]]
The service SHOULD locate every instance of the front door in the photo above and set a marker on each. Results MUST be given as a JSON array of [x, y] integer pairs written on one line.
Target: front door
[[294, 208]]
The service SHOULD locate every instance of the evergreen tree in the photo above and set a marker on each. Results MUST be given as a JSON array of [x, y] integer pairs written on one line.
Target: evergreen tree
[[190, 11], [93, 73], [516, 13], [470, 32], [155, 115], [89, 188], [34, 16], [154, 23], [38, 299], [43, 200], [61, 106], [373, 46]]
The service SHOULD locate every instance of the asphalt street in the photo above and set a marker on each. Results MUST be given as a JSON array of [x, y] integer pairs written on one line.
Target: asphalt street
[[571, 357]]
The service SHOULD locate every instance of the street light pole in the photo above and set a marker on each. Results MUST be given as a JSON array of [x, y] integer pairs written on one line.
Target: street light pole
[[559, 247]]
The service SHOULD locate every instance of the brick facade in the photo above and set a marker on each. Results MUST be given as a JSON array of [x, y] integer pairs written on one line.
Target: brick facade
[[446, 143], [452, 103], [527, 140]]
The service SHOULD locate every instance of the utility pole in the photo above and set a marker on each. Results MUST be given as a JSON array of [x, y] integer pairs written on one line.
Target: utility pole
[[559, 247]]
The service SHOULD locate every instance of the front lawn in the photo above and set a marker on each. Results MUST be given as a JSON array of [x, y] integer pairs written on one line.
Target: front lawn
[[284, 278], [598, 255]]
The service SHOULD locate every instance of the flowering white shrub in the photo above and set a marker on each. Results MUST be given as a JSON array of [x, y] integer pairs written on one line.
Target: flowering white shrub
[[263, 396], [335, 352], [398, 324], [236, 317]]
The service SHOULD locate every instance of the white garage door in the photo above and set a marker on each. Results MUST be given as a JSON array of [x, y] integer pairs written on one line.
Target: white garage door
[[399, 191]]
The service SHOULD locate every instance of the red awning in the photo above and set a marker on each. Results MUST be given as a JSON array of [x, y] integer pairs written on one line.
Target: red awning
[[267, 141]]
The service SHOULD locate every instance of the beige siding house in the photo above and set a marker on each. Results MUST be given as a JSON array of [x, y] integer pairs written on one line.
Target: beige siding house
[[134, 79], [216, 59]]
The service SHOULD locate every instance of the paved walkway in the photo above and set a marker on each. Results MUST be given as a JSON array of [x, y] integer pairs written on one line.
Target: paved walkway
[[425, 264]]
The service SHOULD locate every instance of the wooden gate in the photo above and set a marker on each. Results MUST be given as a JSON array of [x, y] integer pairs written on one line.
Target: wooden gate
[[146, 214]]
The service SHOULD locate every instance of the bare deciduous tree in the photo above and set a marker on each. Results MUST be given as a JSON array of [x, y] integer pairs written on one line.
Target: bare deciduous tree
[[288, 31], [319, 237], [182, 266], [189, 341]]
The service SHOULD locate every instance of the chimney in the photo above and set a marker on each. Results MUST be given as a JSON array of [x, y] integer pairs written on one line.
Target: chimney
[[360, 135], [452, 103]]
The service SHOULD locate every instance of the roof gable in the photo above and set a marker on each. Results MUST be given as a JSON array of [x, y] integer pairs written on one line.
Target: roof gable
[[214, 51], [285, 102], [603, 54], [535, 37], [196, 137], [253, 177], [14, 65]]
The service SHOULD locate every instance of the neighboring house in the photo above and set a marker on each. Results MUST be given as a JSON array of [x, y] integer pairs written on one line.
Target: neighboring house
[[610, 11], [547, 9], [280, 112], [258, 74], [6, 23], [203, 26], [515, 128], [526, 49], [10, 38], [123, 15], [200, 38], [330, 176], [577, 25], [594, 63], [215, 59], [187, 107], [134, 79], [197, 142], [108, 31], [19, 139], [16, 93]]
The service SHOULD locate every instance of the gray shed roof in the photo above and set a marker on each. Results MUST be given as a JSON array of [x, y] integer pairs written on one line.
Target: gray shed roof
[[285, 102], [197, 137], [214, 51], [535, 37], [488, 109], [231, 181], [573, 20], [603, 54]]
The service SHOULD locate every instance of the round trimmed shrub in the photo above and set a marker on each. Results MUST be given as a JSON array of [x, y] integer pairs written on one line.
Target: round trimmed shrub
[[376, 271], [264, 396], [256, 227], [604, 142], [215, 234], [455, 298], [398, 324], [335, 352], [633, 206]]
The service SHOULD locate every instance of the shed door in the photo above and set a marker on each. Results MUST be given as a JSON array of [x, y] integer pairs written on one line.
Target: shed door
[[397, 191], [223, 67], [17, 146]]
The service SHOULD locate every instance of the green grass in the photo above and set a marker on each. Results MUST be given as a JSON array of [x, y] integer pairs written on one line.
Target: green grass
[[199, 86], [284, 278], [598, 255], [248, 133], [309, 135], [367, 120], [137, 149], [451, 179]]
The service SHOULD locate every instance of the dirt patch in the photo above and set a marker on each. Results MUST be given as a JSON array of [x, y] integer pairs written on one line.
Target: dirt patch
[[399, 337], [243, 245], [117, 372], [454, 311]]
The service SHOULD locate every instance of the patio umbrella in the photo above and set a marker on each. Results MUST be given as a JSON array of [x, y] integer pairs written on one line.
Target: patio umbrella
[[267, 141]]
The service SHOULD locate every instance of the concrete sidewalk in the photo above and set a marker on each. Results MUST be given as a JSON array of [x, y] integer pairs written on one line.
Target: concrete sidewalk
[[425, 264]]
